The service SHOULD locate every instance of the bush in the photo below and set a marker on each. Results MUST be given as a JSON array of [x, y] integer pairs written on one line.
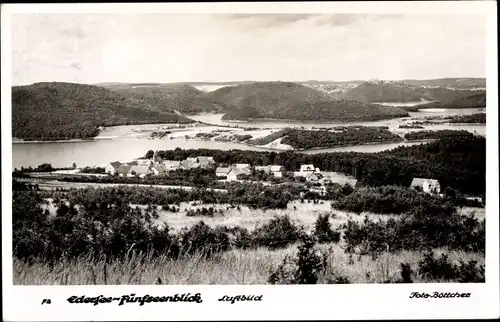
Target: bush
[[441, 269], [202, 238], [323, 231], [425, 227], [279, 232], [308, 267]]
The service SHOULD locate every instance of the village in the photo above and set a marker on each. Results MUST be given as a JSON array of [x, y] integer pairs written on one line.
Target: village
[[307, 173]]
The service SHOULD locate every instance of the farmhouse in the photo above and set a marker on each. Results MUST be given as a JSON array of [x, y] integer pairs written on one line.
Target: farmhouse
[[427, 185], [112, 168]]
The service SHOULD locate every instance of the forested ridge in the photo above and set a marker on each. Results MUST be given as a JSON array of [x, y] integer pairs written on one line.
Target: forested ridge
[[303, 139], [172, 97], [59, 111], [292, 101]]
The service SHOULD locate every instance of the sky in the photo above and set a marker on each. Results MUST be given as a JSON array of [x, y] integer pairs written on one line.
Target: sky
[[99, 48]]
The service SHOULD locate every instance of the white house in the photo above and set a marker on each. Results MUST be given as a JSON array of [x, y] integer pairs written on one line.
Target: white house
[[427, 185], [112, 168], [307, 168], [205, 162], [235, 173], [277, 171]]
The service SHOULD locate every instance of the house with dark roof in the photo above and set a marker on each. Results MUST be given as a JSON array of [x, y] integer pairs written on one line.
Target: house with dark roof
[[426, 185]]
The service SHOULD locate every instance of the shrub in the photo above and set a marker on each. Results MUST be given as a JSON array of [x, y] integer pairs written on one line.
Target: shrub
[[202, 238], [308, 267], [425, 227], [279, 232], [441, 269], [323, 231]]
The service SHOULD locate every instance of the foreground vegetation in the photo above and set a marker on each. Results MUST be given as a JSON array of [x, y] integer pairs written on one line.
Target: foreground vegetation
[[116, 241]]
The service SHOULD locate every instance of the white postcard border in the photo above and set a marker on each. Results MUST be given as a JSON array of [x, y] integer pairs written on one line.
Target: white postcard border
[[356, 301]]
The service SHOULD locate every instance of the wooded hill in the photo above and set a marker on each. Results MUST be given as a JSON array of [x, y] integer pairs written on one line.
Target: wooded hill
[[291, 101], [59, 111], [181, 98], [381, 91]]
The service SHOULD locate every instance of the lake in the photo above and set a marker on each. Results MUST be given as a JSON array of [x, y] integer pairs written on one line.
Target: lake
[[125, 143]]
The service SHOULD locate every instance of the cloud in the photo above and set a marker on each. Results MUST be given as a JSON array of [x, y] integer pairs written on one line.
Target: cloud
[[270, 20]]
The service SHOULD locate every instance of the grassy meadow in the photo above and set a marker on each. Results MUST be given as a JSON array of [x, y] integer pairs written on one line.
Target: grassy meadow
[[236, 266]]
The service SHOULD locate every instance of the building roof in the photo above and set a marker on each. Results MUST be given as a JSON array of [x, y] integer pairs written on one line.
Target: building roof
[[192, 159], [190, 163], [224, 170], [139, 169], [161, 168], [124, 168], [421, 181], [238, 171], [205, 159], [307, 167], [171, 163], [115, 164], [241, 165]]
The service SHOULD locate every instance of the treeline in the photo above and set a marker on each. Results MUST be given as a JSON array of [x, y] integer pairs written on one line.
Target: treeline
[[198, 177], [478, 118], [303, 139], [253, 195], [457, 162], [395, 200], [424, 135]]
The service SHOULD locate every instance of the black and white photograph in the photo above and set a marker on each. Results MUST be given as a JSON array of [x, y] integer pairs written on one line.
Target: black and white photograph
[[250, 148]]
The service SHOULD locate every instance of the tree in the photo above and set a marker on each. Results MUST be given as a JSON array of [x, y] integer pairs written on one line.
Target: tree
[[150, 154], [74, 165]]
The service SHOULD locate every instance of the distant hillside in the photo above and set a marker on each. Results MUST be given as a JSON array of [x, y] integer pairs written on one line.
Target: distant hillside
[[458, 83], [382, 91], [59, 111], [472, 101], [291, 101], [179, 98]]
